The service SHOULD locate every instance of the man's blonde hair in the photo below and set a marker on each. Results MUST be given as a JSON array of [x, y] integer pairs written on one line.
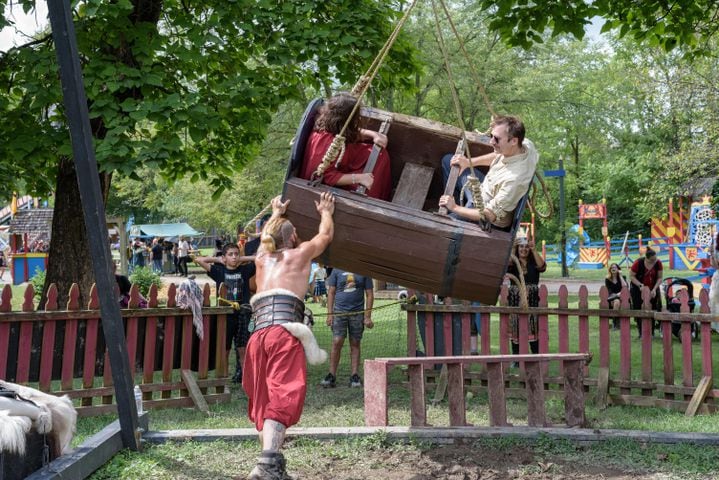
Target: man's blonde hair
[[277, 235]]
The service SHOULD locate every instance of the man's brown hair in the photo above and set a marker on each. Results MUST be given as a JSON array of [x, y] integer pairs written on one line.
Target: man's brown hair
[[515, 127]]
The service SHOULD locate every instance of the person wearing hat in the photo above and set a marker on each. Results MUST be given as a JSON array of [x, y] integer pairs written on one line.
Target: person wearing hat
[[646, 272], [531, 264]]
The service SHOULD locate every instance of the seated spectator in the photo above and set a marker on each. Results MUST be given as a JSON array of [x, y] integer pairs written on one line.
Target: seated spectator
[[511, 170], [3, 264], [125, 285], [348, 171], [615, 282]]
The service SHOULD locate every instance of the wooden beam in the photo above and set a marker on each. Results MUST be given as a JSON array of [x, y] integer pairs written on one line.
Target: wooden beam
[[88, 179], [602, 388], [92, 454], [441, 388], [699, 394], [195, 393]]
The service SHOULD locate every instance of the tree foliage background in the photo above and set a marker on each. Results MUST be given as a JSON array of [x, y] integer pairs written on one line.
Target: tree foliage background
[[194, 103]]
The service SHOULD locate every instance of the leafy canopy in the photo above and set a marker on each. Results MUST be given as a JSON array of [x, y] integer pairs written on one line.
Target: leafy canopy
[[689, 24], [183, 88]]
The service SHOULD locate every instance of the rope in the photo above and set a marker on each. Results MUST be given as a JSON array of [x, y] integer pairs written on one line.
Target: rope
[[487, 103], [256, 218], [336, 148], [545, 191], [452, 86], [475, 75], [235, 305], [412, 299], [523, 296]]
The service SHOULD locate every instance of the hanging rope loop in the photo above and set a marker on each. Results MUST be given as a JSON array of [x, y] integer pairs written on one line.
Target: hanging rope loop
[[359, 90]]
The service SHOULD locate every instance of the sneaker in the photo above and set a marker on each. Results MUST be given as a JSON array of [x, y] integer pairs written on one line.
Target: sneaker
[[270, 467], [355, 381], [329, 381], [237, 377]]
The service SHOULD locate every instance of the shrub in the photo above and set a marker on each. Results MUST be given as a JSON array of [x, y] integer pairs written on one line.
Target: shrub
[[144, 277], [38, 282]]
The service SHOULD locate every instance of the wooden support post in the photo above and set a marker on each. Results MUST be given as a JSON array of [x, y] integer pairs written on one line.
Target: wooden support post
[[88, 179], [441, 388], [602, 388], [197, 398], [497, 399], [455, 382], [536, 415], [416, 390], [375, 394], [699, 394], [574, 393]]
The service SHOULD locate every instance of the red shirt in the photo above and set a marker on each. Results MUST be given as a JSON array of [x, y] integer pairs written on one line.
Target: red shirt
[[353, 161], [649, 277]]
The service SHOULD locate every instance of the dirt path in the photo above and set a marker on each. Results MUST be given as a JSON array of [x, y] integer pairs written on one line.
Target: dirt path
[[458, 462]]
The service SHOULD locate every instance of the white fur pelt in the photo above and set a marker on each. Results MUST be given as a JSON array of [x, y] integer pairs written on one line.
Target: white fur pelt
[[12, 433], [39, 415], [62, 413], [314, 354], [714, 299]]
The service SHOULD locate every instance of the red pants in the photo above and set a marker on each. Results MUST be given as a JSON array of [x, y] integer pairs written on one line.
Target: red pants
[[274, 377]]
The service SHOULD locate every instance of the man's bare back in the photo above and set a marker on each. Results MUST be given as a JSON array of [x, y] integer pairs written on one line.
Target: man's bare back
[[288, 267]]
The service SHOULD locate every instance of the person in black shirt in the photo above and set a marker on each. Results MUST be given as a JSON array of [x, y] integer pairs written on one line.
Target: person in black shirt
[[532, 264], [236, 272], [614, 282]]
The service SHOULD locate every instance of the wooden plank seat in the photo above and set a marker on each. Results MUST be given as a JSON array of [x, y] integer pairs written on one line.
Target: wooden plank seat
[[376, 399]]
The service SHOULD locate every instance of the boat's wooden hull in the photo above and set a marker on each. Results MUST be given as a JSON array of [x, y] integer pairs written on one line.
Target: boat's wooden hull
[[411, 247], [415, 249]]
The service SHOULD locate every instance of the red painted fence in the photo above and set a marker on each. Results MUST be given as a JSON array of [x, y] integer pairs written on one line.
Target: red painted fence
[[63, 351], [667, 370]]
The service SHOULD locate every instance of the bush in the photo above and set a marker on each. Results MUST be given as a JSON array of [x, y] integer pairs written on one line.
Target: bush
[[38, 282], [144, 277]]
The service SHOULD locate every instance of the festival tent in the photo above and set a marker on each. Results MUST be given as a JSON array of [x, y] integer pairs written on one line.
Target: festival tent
[[169, 231]]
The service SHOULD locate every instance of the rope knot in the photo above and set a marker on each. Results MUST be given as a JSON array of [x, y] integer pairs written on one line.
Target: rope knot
[[360, 86], [335, 151], [475, 189]]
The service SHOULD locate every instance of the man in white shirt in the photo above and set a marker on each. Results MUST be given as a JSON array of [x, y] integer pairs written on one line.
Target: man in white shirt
[[511, 169], [183, 253]]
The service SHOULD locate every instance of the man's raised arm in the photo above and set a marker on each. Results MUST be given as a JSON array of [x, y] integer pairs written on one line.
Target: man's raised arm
[[318, 243]]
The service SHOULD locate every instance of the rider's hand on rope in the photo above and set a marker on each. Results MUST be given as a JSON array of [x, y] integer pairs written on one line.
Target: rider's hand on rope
[[461, 161], [365, 179], [447, 201], [380, 139]]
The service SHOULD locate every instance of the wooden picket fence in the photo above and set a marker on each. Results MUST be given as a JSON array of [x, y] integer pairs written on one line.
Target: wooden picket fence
[[63, 351], [671, 386]]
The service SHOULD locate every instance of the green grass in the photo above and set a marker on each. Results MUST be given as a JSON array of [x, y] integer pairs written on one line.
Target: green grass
[[343, 406]]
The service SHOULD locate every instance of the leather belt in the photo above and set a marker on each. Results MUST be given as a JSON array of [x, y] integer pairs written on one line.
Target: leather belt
[[276, 310]]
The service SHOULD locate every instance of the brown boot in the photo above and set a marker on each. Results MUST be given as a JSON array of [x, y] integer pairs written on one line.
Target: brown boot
[[270, 466]]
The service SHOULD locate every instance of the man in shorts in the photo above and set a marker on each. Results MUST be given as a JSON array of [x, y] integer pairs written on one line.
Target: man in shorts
[[275, 374], [347, 314]]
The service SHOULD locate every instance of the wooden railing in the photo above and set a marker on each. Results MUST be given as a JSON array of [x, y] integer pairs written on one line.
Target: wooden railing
[[376, 393], [614, 381], [63, 351]]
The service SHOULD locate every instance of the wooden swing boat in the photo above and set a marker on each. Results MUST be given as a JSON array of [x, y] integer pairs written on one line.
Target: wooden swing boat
[[404, 241]]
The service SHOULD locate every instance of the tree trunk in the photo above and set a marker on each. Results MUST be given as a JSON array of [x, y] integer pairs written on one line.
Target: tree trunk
[[69, 259]]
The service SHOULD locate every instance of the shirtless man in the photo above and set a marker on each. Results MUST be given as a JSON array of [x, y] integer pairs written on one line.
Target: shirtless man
[[275, 376]]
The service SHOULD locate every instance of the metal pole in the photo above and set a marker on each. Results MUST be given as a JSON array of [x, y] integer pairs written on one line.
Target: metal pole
[[562, 226], [73, 90]]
